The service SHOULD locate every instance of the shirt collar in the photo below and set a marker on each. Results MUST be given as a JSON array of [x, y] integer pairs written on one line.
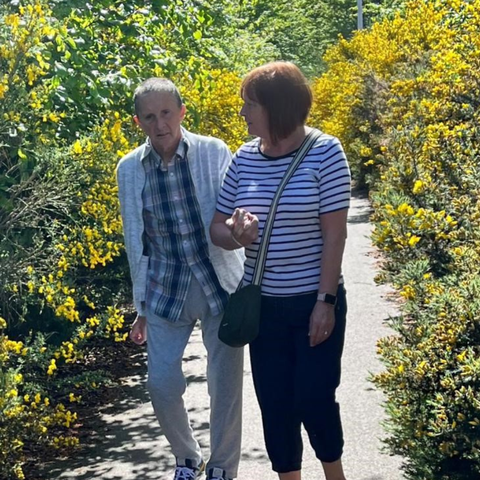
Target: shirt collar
[[181, 151]]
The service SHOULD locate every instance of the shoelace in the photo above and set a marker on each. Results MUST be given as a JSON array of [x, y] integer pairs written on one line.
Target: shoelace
[[184, 473]]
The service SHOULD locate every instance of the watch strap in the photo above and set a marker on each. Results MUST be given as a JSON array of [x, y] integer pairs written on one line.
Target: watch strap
[[327, 298]]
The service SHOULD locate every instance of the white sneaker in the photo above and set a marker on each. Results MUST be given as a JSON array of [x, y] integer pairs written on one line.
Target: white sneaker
[[188, 471], [217, 474]]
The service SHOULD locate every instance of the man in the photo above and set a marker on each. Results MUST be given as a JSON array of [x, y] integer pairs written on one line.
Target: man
[[168, 190]]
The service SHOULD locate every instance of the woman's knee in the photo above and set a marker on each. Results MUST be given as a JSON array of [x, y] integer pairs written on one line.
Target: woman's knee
[[324, 427]]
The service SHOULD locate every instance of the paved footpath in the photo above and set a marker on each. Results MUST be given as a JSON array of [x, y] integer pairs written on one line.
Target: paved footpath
[[129, 445]]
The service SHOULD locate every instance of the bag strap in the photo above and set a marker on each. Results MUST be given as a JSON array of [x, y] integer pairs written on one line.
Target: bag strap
[[267, 230]]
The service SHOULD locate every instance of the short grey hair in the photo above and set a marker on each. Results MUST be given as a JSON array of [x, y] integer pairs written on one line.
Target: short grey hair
[[156, 84]]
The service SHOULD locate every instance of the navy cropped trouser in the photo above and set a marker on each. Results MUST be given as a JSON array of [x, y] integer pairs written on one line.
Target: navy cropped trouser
[[296, 383]]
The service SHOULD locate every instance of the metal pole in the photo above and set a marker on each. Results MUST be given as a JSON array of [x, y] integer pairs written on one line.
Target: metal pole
[[360, 15]]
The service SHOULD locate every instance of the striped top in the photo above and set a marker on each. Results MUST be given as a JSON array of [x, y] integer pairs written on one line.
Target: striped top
[[320, 185]]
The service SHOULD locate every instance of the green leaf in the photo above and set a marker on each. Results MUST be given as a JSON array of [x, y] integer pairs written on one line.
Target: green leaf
[[71, 42]]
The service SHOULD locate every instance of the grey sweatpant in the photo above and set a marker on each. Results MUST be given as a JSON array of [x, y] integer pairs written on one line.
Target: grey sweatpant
[[166, 342]]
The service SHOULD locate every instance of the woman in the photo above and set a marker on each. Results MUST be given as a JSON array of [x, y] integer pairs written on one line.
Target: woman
[[296, 356]]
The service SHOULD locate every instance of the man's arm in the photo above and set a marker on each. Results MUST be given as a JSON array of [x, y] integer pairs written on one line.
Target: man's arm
[[225, 160], [124, 189]]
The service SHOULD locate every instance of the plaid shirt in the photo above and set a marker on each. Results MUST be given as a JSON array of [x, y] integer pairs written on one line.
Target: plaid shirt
[[175, 238]]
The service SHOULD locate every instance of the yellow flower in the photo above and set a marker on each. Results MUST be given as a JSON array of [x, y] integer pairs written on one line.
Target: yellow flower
[[413, 240], [53, 117], [12, 393], [3, 90], [52, 367], [77, 148], [19, 472], [461, 356], [418, 187], [12, 20], [405, 208]]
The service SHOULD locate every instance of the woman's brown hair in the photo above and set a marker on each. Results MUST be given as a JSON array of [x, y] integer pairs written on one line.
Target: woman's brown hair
[[284, 92]]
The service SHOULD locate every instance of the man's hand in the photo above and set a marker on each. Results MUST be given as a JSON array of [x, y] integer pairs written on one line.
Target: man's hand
[[322, 322], [244, 226], [138, 334]]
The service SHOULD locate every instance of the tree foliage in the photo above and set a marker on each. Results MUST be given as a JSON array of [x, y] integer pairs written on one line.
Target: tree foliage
[[66, 82]]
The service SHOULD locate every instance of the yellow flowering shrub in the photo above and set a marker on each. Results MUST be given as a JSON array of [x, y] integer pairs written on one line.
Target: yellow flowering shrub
[[216, 108], [26, 414], [403, 98], [351, 95], [66, 84]]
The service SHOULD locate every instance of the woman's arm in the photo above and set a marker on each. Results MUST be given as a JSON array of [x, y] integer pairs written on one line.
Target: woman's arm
[[334, 232], [237, 231]]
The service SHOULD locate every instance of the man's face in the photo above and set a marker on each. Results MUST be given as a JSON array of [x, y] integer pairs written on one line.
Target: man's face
[[160, 117]]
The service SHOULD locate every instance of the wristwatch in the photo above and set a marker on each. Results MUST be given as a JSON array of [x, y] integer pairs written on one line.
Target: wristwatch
[[327, 298]]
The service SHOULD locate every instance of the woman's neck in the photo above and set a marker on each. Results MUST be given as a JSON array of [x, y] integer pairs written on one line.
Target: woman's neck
[[285, 145]]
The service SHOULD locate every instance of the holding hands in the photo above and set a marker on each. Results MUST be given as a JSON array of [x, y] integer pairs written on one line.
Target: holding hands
[[243, 227]]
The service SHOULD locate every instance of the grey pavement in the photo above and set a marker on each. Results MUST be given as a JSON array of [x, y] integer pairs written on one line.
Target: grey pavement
[[128, 444]]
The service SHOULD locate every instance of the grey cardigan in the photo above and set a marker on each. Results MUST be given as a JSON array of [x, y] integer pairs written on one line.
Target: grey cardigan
[[208, 159]]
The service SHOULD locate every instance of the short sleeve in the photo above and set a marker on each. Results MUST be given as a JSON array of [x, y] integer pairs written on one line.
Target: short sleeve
[[334, 179]]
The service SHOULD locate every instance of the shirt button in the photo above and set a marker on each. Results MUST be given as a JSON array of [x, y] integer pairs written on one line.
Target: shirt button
[[172, 174], [181, 221]]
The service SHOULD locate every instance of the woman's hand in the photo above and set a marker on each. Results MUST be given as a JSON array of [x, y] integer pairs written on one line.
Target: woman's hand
[[243, 227], [322, 322], [138, 333]]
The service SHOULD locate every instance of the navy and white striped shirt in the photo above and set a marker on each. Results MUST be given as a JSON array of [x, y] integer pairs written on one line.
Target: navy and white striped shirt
[[321, 184]]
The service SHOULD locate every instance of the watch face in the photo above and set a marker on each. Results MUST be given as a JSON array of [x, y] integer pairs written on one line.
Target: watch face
[[327, 298], [331, 299]]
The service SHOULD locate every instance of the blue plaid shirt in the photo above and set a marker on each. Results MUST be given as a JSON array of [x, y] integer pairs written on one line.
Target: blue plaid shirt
[[175, 238]]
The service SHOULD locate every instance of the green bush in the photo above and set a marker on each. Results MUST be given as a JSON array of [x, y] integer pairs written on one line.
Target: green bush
[[403, 97]]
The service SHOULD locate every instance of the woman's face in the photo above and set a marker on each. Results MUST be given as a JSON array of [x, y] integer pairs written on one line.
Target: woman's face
[[256, 117]]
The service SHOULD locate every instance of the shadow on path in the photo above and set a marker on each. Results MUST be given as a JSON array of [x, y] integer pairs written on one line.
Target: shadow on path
[[359, 212], [125, 432]]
